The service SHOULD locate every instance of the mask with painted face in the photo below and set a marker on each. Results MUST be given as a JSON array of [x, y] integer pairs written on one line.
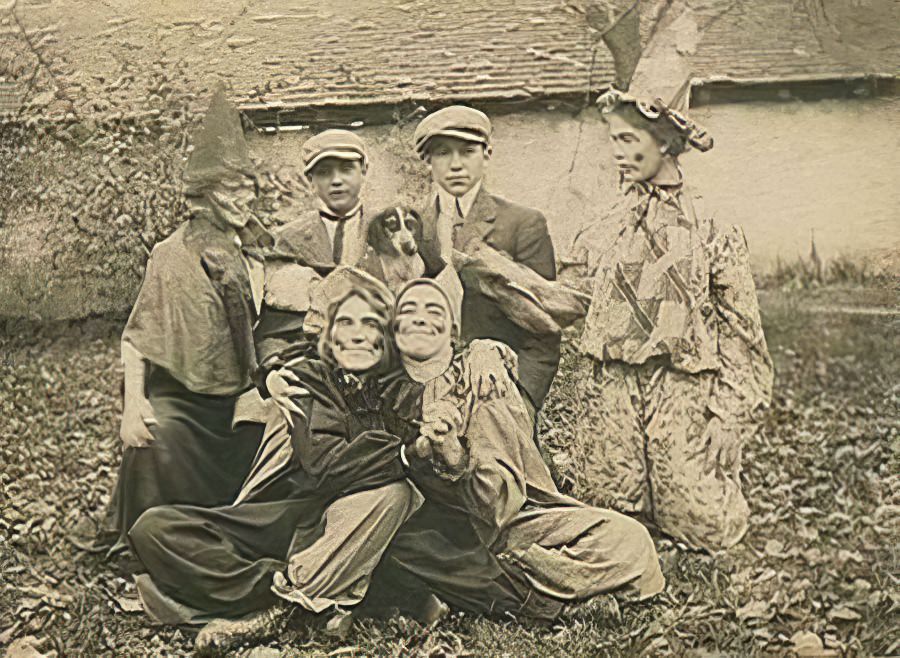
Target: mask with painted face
[[647, 137], [639, 156], [423, 323], [356, 337], [233, 200]]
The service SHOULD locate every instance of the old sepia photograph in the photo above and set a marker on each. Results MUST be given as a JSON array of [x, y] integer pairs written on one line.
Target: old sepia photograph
[[450, 328]]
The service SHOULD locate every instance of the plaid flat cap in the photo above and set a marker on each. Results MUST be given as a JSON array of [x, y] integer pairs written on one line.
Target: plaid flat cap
[[332, 143], [455, 121]]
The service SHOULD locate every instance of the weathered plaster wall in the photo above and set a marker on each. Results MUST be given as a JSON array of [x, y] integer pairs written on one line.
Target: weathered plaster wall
[[785, 170], [780, 170], [76, 213]]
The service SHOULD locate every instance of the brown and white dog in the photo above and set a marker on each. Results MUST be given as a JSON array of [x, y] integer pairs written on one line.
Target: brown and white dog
[[393, 247]]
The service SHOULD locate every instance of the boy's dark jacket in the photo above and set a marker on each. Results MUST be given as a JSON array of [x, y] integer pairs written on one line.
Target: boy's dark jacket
[[522, 234]]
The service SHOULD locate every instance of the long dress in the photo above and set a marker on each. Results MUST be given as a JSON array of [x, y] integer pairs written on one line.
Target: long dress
[[678, 368], [498, 537], [313, 535], [191, 322]]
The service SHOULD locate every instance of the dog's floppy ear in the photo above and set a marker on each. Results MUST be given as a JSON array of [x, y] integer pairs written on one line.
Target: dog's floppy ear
[[376, 236], [417, 231]]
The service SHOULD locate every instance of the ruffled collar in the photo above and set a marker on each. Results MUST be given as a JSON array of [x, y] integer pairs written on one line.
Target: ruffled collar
[[665, 189], [424, 371]]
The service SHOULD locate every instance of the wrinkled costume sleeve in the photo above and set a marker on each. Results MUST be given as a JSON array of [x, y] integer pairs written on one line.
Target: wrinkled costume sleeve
[[494, 487], [744, 384]]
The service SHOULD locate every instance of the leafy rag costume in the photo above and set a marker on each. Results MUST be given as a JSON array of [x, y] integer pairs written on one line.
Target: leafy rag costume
[[498, 537], [680, 367], [316, 531]]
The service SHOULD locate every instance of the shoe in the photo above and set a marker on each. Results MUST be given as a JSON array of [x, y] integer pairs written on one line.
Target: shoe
[[339, 624], [603, 606], [220, 636], [433, 611]]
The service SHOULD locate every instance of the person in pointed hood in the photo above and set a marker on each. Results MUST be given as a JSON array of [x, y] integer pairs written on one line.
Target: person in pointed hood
[[187, 348], [680, 368]]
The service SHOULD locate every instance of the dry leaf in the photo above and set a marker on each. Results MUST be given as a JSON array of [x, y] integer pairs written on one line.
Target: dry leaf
[[754, 610], [128, 604], [27, 647], [844, 613], [809, 644]]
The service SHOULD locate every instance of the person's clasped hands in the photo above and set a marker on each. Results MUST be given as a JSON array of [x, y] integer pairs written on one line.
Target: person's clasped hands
[[439, 440]]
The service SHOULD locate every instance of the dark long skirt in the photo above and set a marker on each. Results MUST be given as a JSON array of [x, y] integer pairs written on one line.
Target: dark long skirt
[[195, 459]]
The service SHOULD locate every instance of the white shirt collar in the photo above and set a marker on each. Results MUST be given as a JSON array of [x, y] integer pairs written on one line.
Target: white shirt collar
[[323, 207], [447, 201], [351, 220]]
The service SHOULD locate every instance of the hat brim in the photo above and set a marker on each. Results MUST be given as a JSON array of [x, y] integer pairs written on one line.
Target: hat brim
[[341, 155], [468, 136]]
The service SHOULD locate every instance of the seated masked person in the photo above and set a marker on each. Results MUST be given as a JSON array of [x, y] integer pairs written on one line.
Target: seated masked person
[[494, 536], [309, 531]]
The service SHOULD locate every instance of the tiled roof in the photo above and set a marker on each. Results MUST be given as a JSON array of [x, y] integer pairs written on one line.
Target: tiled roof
[[282, 54], [343, 53], [792, 40], [10, 97], [446, 50]]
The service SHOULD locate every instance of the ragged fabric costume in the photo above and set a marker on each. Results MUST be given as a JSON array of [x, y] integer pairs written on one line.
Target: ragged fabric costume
[[499, 538], [192, 324], [679, 368], [198, 368], [312, 535]]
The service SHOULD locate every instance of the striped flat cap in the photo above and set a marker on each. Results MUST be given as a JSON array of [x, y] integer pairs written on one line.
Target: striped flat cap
[[455, 121], [332, 143]]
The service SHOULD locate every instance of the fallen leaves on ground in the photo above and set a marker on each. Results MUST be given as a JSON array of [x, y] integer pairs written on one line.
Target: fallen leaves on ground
[[815, 575]]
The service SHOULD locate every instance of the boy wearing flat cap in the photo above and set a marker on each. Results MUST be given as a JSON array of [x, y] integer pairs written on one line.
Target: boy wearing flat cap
[[455, 142], [335, 162]]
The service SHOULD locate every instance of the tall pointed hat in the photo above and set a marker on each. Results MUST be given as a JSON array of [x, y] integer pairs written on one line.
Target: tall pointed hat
[[220, 150]]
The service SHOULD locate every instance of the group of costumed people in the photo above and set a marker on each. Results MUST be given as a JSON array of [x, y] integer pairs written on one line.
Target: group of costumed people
[[309, 440]]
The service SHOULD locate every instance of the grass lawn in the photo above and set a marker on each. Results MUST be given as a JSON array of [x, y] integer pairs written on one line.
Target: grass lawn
[[818, 568]]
